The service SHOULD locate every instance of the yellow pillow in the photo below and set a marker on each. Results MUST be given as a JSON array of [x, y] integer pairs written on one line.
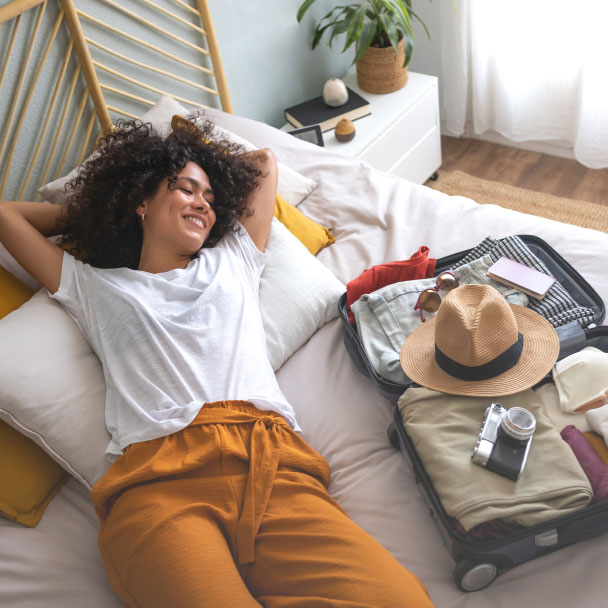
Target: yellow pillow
[[312, 235], [29, 477], [13, 292]]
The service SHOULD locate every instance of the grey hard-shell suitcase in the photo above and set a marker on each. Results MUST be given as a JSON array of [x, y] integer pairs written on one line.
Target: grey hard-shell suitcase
[[479, 562]]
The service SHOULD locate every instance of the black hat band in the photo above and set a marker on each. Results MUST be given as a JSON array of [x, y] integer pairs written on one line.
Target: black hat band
[[500, 364]]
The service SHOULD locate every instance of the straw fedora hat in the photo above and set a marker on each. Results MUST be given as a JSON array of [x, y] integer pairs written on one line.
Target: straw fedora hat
[[479, 344]]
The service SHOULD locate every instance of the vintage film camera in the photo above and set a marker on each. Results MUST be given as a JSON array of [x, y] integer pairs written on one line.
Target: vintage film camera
[[504, 440]]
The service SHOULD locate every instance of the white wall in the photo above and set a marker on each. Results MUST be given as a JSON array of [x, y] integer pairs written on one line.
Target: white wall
[[267, 55], [426, 57]]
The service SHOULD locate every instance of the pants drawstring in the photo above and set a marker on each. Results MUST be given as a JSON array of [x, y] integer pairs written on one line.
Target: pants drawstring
[[263, 464]]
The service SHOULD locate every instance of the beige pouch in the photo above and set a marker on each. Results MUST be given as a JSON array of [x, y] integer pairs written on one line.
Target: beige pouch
[[582, 380]]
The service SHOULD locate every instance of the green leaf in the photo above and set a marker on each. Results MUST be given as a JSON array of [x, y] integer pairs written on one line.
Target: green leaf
[[426, 29], [339, 28], [391, 30], [341, 22], [302, 10], [409, 47], [368, 34], [355, 27], [404, 7], [400, 14], [332, 22], [319, 31], [338, 9]]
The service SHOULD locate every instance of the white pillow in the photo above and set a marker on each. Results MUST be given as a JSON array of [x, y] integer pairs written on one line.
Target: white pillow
[[292, 186], [51, 383], [298, 294], [52, 388]]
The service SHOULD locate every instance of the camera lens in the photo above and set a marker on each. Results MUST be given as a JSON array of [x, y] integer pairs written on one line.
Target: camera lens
[[518, 423]]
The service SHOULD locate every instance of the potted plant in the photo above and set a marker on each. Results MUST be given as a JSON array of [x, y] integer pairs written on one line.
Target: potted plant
[[381, 31]]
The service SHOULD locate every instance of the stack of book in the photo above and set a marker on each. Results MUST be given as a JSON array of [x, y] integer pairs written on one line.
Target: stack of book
[[317, 112]]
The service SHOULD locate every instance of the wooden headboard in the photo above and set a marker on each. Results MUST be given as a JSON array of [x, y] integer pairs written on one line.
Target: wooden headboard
[[71, 68]]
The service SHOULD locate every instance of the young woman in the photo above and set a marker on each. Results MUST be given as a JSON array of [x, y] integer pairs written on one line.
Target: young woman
[[213, 498]]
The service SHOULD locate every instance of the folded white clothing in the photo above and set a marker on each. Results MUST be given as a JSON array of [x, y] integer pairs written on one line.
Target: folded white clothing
[[598, 421], [582, 380]]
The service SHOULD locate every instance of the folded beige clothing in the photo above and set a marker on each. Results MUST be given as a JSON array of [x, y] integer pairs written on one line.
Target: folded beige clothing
[[444, 429]]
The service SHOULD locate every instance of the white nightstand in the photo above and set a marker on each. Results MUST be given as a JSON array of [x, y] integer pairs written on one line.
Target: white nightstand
[[401, 135]]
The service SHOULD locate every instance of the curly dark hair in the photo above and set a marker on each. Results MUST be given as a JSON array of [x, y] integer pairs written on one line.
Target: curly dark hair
[[101, 226]]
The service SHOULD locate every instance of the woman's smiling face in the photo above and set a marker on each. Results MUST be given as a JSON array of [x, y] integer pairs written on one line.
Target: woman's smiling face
[[180, 215]]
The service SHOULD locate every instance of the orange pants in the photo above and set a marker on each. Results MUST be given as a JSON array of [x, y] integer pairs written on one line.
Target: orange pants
[[234, 511]]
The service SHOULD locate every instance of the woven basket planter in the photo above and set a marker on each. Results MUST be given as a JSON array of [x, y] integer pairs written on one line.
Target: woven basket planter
[[380, 70]]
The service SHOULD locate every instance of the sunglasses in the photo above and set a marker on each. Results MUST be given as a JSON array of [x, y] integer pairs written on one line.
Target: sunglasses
[[429, 300]]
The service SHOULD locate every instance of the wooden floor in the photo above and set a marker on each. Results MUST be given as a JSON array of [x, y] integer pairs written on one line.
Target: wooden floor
[[526, 169]]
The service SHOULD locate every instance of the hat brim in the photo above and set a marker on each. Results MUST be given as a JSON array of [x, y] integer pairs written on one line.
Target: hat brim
[[539, 353]]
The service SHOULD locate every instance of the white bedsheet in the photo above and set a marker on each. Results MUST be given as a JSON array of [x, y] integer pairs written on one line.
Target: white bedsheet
[[375, 217]]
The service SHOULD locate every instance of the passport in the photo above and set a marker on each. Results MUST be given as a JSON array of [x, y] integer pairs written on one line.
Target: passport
[[527, 279]]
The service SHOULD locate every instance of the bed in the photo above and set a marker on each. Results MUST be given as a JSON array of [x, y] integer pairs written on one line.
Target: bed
[[374, 217]]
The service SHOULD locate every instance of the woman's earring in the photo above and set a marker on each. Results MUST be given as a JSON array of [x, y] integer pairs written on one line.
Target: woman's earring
[[143, 217]]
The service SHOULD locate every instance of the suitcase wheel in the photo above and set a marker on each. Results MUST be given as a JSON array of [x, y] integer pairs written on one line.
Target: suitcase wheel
[[392, 435], [470, 575]]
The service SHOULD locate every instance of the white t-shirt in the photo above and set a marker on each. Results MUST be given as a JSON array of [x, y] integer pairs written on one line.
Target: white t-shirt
[[171, 341]]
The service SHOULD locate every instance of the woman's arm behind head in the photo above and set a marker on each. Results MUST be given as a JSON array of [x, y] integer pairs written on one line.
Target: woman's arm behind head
[[257, 218], [24, 227]]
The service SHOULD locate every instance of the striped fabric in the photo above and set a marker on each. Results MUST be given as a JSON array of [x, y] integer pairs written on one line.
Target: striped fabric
[[558, 306]]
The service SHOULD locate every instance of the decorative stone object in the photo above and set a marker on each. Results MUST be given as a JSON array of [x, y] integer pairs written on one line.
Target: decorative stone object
[[345, 130], [335, 92]]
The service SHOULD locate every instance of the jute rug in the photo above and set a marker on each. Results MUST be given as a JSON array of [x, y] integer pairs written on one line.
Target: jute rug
[[570, 211]]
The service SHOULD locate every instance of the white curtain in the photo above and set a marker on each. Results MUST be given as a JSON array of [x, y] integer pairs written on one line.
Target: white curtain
[[530, 70]]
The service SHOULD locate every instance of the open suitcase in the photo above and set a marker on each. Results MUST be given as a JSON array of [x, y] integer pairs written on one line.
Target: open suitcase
[[479, 562]]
